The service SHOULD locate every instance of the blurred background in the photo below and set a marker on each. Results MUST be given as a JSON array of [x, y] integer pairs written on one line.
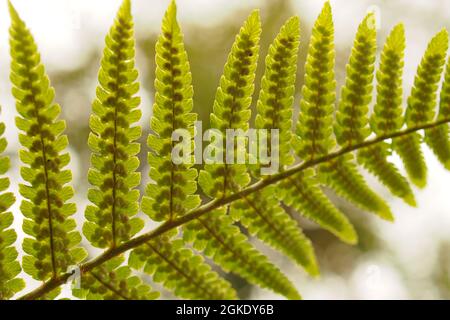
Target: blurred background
[[408, 259]]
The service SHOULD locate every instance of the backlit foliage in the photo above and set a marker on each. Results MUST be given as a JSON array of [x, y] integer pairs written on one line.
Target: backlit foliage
[[206, 215]]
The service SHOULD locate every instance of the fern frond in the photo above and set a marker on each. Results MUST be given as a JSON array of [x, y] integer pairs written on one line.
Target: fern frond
[[9, 266], [274, 106], [387, 116], [263, 216], [314, 131], [375, 160], [352, 124], [231, 108], [172, 192], [438, 138], [112, 140], [215, 235], [314, 127], [261, 213], [422, 100], [351, 117], [387, 112], [52, 243], [231, 111], [111, 281], [421, 103], [302, 192], [180, 270], [343, 177]]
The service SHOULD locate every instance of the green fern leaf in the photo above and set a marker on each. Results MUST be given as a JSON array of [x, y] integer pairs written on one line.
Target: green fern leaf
[[112, 141], [438, 138], [172, 192], [343, 177], [261, 213], [420, 108], [53, 241], [263, 216], [231, 108], [387, 112], [375, 160], [111, 281], [215, 235], [302, 192], [387, 116], [9, 266], [314, 127], [352, 124], [179, 270], [274, 106], [231, 111], [351, 117], [314, 131]]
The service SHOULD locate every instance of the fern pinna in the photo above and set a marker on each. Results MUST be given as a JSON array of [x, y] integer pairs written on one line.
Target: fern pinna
[[52, 242], [330, 140], [9, 266]]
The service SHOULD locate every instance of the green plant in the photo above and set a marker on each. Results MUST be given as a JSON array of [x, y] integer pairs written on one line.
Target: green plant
[[190, 228]]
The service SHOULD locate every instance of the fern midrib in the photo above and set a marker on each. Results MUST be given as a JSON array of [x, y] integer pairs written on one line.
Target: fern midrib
[[352, 135], [29, 66], [320, 92], [109, 286], [230, 125], [275, 121], [172, 169], [120, 57], [198, 284], [217, 203], [49, 207], [114, 195]]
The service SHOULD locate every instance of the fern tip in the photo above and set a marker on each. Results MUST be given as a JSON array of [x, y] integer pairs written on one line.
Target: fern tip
[[349, 236], [439, 43], [326, 10], [294, 295], [386, 214], [293, 24], [13, 12], [419, 182], [396, 39], [253, 20], [410, 199], [325, 18], [447, 165], [125, 8]]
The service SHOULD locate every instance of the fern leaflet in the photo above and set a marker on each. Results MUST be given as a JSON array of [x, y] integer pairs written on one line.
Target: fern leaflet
[[111, 281], [420, 108], [114, 161], [52, 244], [180, 270], [9, 266], [438, 138], [314, 131], [172, 193], [261, 213], [387, 116]]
